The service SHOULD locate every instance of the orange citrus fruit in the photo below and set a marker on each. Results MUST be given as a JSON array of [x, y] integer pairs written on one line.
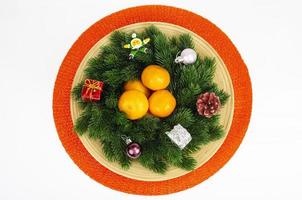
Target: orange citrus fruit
[[155, 77], [137, 85], [162, 103], [134, 104]]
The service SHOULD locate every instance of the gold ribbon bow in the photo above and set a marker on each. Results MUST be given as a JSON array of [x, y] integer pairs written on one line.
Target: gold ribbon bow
[[91, 86]]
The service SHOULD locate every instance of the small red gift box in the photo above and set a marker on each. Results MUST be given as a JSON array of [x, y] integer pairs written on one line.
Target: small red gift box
[[92, 90]]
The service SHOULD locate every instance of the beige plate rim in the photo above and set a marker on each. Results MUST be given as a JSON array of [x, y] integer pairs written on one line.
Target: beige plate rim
[[207, 151]]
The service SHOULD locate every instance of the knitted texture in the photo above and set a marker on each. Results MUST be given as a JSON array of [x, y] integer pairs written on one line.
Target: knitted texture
[[202, 27]]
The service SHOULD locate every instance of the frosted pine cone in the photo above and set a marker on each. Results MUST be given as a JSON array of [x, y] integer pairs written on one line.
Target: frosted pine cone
[[208, 104]]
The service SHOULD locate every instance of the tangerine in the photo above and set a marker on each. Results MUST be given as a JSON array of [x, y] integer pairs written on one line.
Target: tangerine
[[155, 77], [134, 103], [162, 103], [137, 85]]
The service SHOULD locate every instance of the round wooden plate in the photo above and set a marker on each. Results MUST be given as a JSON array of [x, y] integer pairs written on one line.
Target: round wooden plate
[[231, 75], [222, 78]]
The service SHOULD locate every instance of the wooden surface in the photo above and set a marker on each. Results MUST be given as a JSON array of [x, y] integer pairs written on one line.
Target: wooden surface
[[222, 78]]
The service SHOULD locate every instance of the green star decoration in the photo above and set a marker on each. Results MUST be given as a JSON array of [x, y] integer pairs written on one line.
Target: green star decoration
[[136, 45]]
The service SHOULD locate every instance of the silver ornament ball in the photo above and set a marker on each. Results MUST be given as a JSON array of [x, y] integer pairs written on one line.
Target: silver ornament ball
[[187, 56]]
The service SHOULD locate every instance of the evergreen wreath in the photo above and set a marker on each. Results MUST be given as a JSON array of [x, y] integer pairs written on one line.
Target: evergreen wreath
[[104, 122]]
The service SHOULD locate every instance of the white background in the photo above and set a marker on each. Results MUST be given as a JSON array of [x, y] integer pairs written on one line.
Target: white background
[[36, 35]]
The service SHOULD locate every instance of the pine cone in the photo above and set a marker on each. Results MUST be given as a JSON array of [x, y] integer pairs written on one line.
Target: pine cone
[[208, 104]]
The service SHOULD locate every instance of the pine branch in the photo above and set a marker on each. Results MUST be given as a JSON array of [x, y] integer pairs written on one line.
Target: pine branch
[[77, 90], [107, 149], [98, 128], [206, 69], [111, 101], [185, 41], [212, 87], [148, 123], [162, 52], [116, 77], [170, 151], [151, 160], [76, 94], [105, 123], [119, 38], [82, 122], [187, 163], [216, 132], [183, 116]]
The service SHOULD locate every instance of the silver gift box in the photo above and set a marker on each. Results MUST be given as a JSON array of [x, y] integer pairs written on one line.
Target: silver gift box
[[180, 136]]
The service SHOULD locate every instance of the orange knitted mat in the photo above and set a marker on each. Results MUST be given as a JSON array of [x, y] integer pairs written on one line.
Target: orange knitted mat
[[197, 24]]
